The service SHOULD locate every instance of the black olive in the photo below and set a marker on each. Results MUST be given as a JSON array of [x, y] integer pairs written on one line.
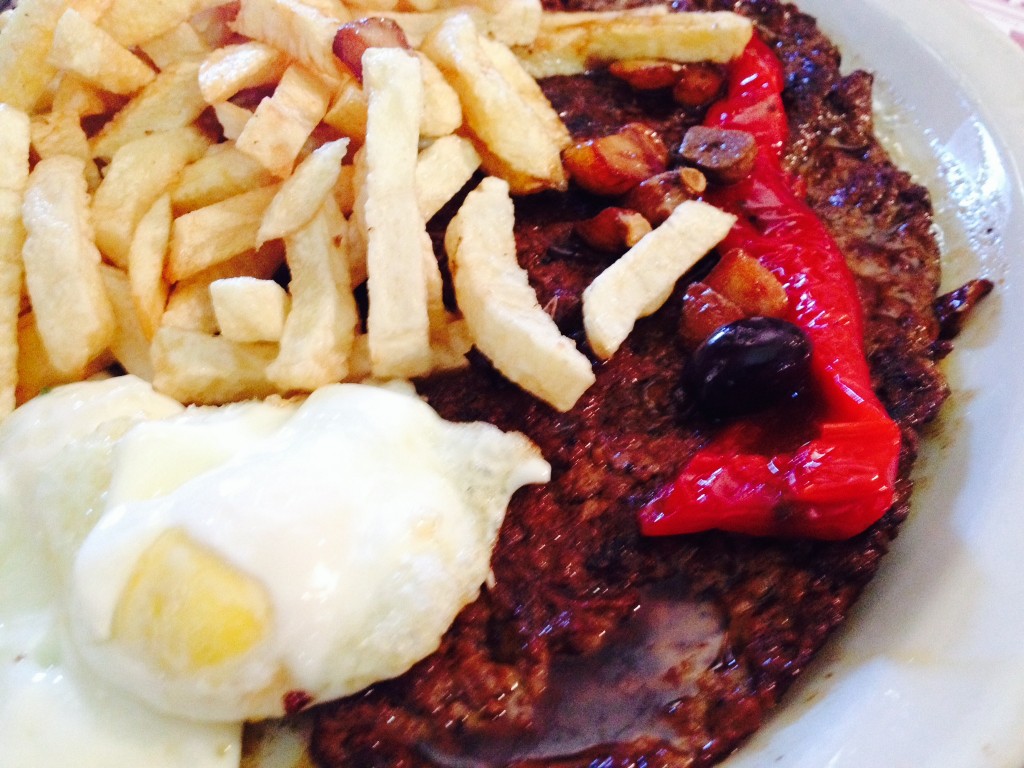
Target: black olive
[[748, 365]]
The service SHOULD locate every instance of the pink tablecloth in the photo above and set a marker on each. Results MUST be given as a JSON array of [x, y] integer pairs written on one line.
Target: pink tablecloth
[[1008, 15]]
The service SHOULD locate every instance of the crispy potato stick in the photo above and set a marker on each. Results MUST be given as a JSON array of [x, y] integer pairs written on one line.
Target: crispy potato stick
[[442, 170], [146, 258], [83, 48], [75, 97], [282, 122], [15, 129], [300, 30], [303, 193], [442, 110], [172, 100], [511, 22], [35, 371], [24, 47], [213, 234], [348, 110], [516, 129], [189, 305], [72, 310], [570, 43], [182, 43], [138, 174], [249, 309], [643, 278], [232, 119], [210, 370], [321, 325], [397, 244], [131, 22], [60, 133], [221, 173], [12, 236], [228, 70], [344, 189], [130, 346], [505, 320]]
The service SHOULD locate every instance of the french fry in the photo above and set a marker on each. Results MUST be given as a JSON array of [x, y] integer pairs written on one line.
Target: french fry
[[12, 236], [129, 345], [60, 133], [214, 234], [232, 119], [83, 48], [72, 310], [511, 22], [504, 318], [228, 70], [303, 193], [282, 122], [442, 110], [210, 370], [75, 97], [221, 173], [305, 33], [394, 231], [517, 131], [182, 43], [14, 155], [344, 189], [347, 113], [172, 100], [146, 257], [139, 172], [24, 47], [642, 279], [570, 43], [131, 22], [442, 170], [249, 309], [321, 325], [35, 371]]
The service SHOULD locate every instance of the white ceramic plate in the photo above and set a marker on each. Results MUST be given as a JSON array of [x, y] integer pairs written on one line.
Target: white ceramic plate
[[929, 670]]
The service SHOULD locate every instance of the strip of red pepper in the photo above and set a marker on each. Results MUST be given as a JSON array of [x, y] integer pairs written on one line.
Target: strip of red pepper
[[842, 480]]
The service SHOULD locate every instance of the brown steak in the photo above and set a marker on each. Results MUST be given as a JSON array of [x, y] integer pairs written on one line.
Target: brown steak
[[738, 618]]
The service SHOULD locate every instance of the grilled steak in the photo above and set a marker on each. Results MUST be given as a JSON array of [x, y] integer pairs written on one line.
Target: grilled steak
[[703, 633]]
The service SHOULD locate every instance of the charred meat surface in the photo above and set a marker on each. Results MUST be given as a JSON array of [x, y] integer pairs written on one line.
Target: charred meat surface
[[570, 568]]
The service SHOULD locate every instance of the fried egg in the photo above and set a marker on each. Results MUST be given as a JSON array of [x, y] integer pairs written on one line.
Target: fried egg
[[225, 564]]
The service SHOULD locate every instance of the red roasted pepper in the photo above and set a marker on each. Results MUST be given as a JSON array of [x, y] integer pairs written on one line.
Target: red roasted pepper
[[841, 480]]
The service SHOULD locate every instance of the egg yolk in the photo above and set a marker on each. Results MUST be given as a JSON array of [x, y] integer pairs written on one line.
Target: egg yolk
[[185, 609]]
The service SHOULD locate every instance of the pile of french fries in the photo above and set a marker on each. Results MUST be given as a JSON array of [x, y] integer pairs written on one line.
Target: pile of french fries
[[194, 189]]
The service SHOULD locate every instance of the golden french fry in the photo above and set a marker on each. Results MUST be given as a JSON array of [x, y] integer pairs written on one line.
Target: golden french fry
[[442, 170], [249, 309], [140, 171], [397, 244], [129, 345], [172, 100], [60, 133], [232, 119], [511, 22], [182, 43], [303, 193], [442, 110], [300, 30], [228, 70], [12, 236], [75, 97], [72, 310], [347, 113], [131, 22], [213, 234], [641, 280], [321, 325], [35, 371], [24, 47], [505, 320], [15, 128], [146, 257], [209, 370], [221, 173], [570, 43], [83, 48], [344, 189], [282, 122], [517, 131]]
